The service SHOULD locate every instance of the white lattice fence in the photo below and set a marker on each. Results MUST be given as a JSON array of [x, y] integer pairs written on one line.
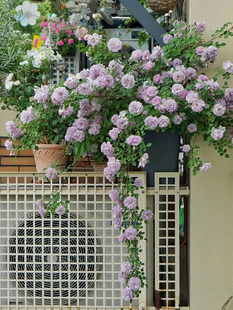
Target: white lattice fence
[[167, 240], [70, 262]]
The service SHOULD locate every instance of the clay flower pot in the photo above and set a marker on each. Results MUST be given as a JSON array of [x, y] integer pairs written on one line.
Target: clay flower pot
[[49, 154]]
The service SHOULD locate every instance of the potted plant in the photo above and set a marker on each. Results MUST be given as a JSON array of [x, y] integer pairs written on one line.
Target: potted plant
[[117, 100]]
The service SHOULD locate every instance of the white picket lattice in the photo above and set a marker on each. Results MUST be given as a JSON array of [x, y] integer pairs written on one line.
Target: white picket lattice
[[68, 65], [69, 262], [167, 241]]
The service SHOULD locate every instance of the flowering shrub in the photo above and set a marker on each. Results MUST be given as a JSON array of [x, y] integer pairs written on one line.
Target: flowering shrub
[[110, 106], [32, 71]]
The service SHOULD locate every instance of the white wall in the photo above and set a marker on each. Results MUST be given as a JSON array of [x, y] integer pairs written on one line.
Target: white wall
[[211, 200]]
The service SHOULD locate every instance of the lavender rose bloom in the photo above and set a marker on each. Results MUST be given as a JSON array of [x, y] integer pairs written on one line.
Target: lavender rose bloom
[[134, 140], [60, 210], [228, 66], [200, 26], [128, 81], [41, 93], [130, 202], [134, 283], [217, 133], [126, 267], [59, 95], [8, 145], [122, 277], [167, 38], [147, 215], [138, 182], [131, 233], [51, 173], [113, 133], [192, 128], [135, 107], [114, 45], [205, 167], [114, 195], [122, 238], [127, 294], [186, 148]]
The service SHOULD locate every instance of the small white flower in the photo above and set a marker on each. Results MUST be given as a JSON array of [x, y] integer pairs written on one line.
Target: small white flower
[[17, 83], [28, 13], [24, 63]]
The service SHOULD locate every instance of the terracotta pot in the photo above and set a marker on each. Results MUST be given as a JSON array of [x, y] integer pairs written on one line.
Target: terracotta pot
[[48, 154]]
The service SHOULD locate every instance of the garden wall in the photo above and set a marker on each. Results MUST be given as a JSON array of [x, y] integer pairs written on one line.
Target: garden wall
[[211, 201]]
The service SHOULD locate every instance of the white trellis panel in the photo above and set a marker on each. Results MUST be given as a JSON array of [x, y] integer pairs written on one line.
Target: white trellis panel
[[71, 65], [167, 241], [69, 262]]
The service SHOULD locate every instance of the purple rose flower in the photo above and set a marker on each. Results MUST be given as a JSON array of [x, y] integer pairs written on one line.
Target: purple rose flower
[[128, 81], [8, 145], [117, 223], [122, 277], [114, 45], [147, 215], [217, 133], [131, 233], [51, 173], [135, 107], [138, 182], [136, 55], [114, 195], [107, 149], [178, 76], [219, 109], [42, 211], [71, 82], [127, 294], [59, 95], [109, 174], [122, 238], [200, 26], [28, 115], [157, 79], [85, 89], [228, 66], [134, 140], [177, 119], [192, 128], [60, 210], [156, 101], [41, 93], [114, 164], [186, 148], [126, 267], [163, 121], [149, 65], [117, 212], [151, 122], [94, 129], [143, 160], [130, 202], [81, 123], [205, 167], [170, 105], [134, 283], [113, 133], [167, 38]]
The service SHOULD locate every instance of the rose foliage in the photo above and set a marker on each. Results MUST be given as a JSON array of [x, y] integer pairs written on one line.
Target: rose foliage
[[105, 110]]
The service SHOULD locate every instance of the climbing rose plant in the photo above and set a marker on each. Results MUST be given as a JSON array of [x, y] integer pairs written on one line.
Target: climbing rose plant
[[117, 100]]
